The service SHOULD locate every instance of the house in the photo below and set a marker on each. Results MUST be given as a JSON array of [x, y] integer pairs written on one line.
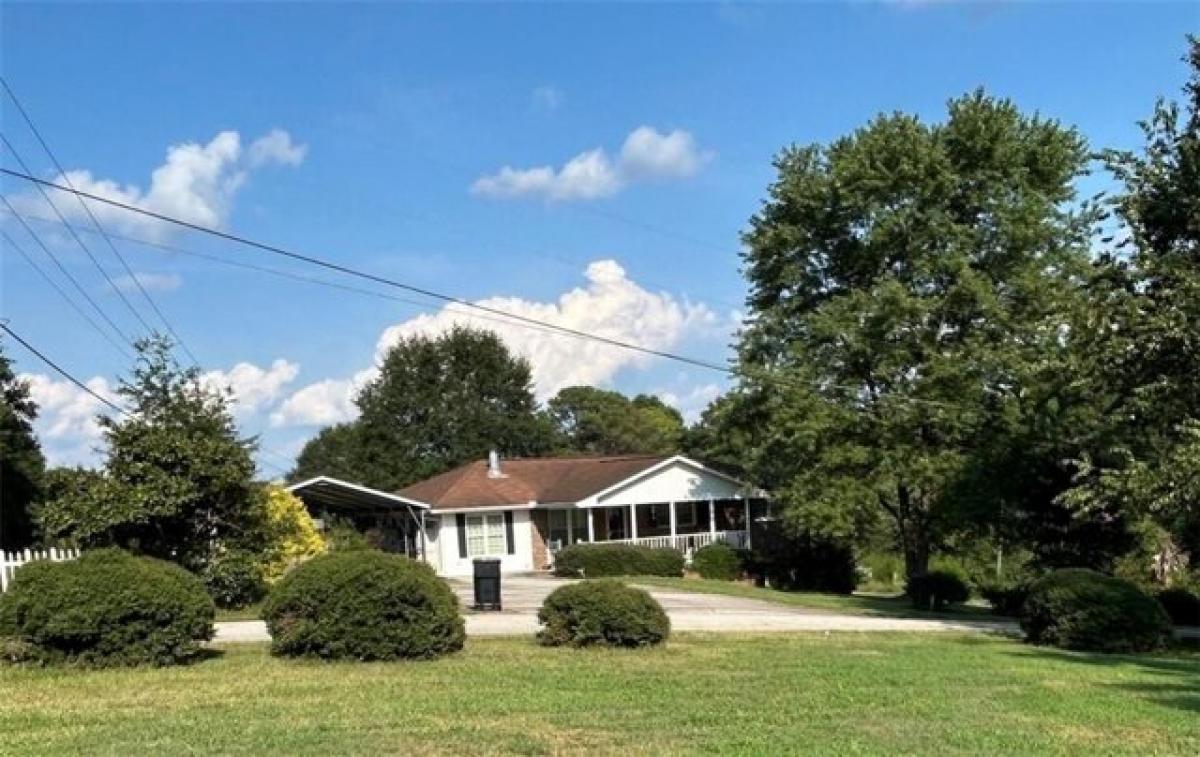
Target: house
[[522, 511]]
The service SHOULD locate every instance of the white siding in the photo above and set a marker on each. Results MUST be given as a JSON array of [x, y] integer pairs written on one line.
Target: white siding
[[448, 563], [677, 482]]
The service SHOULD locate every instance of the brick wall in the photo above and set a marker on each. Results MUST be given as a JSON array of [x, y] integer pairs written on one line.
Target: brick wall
[[540, 526]]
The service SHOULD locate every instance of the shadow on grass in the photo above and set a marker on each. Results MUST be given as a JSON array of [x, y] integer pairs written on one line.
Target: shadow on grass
[[1176, 672]]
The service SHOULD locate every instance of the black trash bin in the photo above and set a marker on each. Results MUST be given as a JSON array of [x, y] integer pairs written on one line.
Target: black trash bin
[[487, 583]]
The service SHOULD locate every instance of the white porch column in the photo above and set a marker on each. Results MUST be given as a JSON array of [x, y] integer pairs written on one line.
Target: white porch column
[[591, 525], [746, 502], [672, 520], [570, 527], [633, 521], [712, 518]]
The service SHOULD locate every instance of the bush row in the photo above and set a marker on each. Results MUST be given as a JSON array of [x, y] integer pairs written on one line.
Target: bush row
[[604, 560]]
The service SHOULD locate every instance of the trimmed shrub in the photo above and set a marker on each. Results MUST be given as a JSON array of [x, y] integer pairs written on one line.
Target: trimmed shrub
[[1081, 609], [718, 561], [235, 580], [802, 562], [937, 589], [363, 605], [1006, 597], [106, 609], [602, 613], [290, 535], [601, 560], [1182, 606]]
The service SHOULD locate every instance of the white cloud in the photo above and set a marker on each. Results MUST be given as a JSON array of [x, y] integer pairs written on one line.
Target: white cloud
[[253, 387], [692, 402], [151, 282], [196, 183], [646, 155], [547, 97], [610, 305], [66, 423]]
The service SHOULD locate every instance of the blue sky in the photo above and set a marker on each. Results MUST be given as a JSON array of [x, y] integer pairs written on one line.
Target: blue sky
[[639, 139]]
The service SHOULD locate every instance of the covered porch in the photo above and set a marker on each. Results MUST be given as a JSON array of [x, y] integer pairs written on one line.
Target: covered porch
[[685, 525]]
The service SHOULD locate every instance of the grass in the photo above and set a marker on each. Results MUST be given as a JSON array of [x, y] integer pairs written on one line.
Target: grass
[[853, 604], [250, 612], [846, 693]]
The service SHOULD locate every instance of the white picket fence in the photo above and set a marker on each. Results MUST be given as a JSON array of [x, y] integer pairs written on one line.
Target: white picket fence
[[10, 561]]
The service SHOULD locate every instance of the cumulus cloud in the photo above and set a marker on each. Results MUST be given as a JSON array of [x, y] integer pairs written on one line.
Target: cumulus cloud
[[692, 401], [196, 183], [251, 386], [610, 304], [151, 282], [646, 155], [66, 422]]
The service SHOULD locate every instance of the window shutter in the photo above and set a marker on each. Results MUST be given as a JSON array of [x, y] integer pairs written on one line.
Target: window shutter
[[508, 532], [461, 521]]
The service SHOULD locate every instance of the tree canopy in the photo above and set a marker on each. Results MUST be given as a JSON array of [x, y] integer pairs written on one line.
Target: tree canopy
[[599, 421], [436, 403], [22, 465], [909, 283], [177, 481]]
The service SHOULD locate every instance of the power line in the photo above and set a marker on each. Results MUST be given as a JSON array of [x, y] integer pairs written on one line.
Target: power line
[[87, 250], [108, 337], [63, 270], [523, 320], [62, 372], [371, 276], [95, 221]]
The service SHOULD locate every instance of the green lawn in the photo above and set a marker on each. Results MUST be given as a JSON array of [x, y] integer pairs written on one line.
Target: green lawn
[[855, 604], [847, 693]]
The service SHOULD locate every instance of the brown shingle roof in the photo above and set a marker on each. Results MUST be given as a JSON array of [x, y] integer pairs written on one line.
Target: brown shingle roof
[[543, 480]]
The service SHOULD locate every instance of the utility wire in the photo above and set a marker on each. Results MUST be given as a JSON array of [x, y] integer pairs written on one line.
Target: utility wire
[[525, 320], [11, 243], [87, 250], [95, 221], [63, 270], [62, 372]]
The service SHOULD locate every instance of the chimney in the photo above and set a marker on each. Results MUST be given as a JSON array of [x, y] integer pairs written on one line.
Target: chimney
[[494, 465]]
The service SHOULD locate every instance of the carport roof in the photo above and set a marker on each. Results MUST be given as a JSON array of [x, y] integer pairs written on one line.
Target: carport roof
[[343, 495]]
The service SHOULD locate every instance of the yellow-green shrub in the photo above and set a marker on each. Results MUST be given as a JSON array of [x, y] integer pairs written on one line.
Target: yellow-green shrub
[[291, 535]]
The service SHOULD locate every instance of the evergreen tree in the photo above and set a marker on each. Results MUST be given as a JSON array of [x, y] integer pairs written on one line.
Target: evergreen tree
[[22, 465]]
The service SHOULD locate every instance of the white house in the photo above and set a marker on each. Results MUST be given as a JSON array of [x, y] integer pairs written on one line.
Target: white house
[[522, 511]]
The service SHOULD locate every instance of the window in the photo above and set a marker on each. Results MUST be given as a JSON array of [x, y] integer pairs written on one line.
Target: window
[[486, 535]]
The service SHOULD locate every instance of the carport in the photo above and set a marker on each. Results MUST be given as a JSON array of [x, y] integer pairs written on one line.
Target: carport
[[399, 521]]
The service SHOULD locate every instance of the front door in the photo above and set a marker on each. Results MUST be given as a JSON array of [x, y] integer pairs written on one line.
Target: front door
[[616, 523]]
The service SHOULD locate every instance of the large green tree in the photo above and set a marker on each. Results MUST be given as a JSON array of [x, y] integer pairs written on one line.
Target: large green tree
[[600, 421], [1146, 350], [22, 464], [177, 483], [437, 402], [910, 284]]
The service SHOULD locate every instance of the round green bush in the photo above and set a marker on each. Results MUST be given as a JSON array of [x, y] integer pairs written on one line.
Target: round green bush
[[108, 608], [1006, 597], [1081, 609], [1182, 606], [602, 560], [718, 561], [937, 589], [235, 580], [363, 605], [602, 613]]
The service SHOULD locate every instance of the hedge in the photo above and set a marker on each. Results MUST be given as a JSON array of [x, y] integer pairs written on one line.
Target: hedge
[[601, 560], [1006, 597], [1182, 606], [107, 608], [235, 579], [1084, 610], [801, 562], [363, 605], [602, 613], [717, 561]]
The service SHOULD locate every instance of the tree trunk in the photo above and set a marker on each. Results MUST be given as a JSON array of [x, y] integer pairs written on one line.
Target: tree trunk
[[914, 536]]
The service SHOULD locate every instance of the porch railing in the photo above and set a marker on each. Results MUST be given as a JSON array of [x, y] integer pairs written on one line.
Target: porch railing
[[689, 543]]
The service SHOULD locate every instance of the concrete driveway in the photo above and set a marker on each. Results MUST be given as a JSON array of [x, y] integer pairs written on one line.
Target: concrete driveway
[[523, 595]]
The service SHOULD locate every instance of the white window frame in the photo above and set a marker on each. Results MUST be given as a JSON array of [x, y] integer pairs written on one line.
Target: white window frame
[[490, 527]]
